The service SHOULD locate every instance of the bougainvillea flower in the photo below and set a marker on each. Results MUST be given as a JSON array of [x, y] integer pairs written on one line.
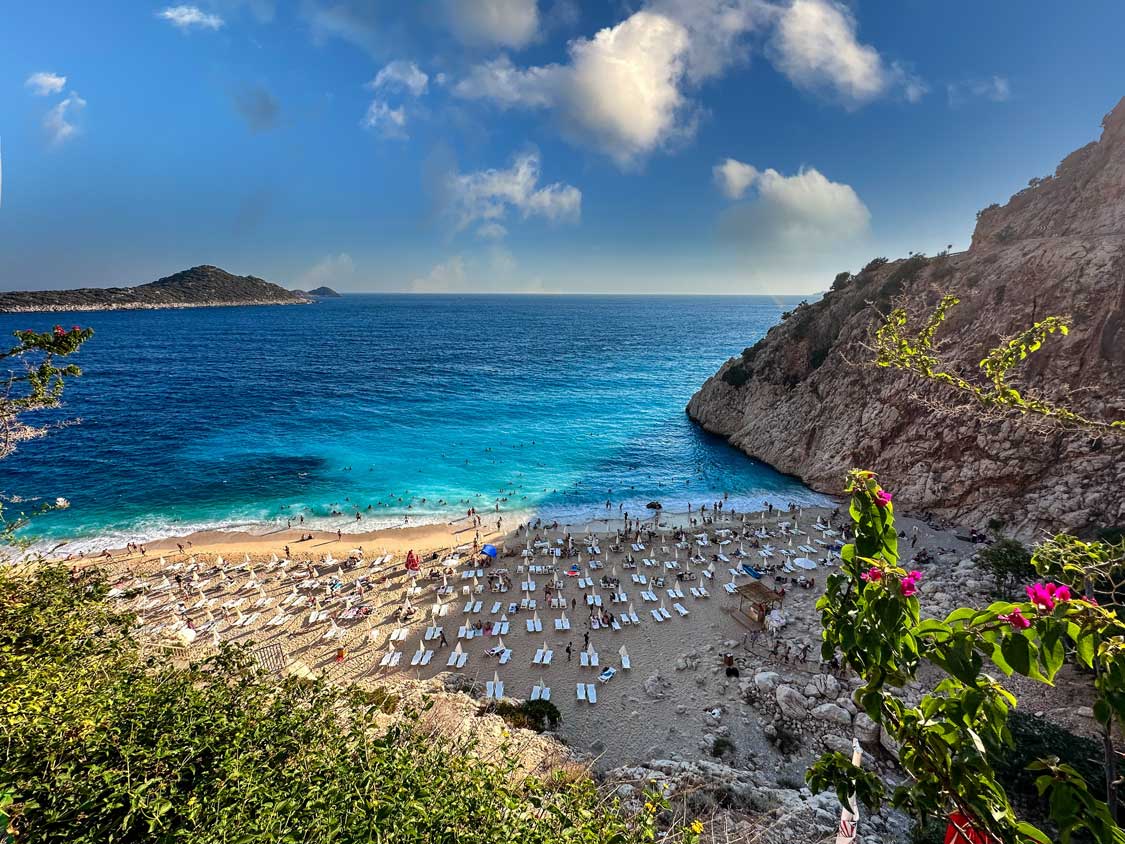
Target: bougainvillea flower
[[910, 583], [883, 498], [872, 575], [1045, 595], [1016, 619]]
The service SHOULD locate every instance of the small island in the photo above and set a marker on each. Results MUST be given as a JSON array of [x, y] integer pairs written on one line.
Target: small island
[[320, 293], [199, 287]]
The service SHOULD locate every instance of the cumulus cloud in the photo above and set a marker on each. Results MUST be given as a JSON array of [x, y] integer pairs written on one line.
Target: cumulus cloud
[[44, 83], [487, 196], [444, 277], [815, 46], [716, 30], [491, 231], [494, 23], [994, 88], [619, 92], [190, 17], [734, 177], [388, 122], [400, 76], [60, 120], [789, 214], [258, 107], [332, 270]]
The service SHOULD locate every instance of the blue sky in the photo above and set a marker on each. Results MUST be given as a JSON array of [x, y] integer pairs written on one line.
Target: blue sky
[[707, 146]]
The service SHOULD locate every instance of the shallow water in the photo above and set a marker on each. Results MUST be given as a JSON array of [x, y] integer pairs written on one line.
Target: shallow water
[[416, 406]]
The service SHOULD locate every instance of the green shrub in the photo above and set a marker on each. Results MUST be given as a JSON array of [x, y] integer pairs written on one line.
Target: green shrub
[[722, 747], [736, 375], [873, 265], [96, 745], [1010, 563], [538, 715]]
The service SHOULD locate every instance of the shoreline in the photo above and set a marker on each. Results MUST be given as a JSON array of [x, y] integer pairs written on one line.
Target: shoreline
[[429, 537]]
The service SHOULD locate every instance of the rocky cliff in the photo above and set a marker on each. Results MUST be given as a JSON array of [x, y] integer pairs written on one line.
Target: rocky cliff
[[805, 400], [203, 286]]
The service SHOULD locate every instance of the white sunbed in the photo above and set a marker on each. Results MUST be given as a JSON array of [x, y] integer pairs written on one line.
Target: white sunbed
[[278, 619], [505, 656], [730, 587], [500, 628], [633, 617], [708, 574], [495, 608], [656, 616], [591, 693], [494, 690], [649, 596], [680, 609], [626, 663], [472, 607], [390, 659], [562, 623], [664, 612], [399, 634], [433, 632], [540, 692], [607, 675]]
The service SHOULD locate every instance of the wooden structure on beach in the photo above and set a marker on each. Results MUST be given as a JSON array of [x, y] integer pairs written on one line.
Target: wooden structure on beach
[[761, 599]]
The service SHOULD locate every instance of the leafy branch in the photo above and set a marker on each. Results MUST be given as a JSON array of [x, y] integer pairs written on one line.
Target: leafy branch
[[897, 347]]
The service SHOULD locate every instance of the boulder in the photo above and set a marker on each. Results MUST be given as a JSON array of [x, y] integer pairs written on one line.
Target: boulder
[[767, 681], [791, 702], [866, 730], [832, 713], [828, 685]]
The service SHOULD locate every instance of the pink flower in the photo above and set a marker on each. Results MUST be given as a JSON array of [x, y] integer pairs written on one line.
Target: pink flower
[[910, 583], [882, 498], [1045, 595], [1016, 619], [872, 575]]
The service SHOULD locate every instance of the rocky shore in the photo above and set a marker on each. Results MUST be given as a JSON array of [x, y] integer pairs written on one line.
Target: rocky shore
[[806, 400]]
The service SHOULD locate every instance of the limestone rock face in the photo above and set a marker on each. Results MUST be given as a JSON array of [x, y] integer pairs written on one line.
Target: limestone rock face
[[798, 400]]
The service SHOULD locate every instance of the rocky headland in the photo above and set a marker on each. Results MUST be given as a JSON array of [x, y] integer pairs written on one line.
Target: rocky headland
[[806, 399], [199, 287]]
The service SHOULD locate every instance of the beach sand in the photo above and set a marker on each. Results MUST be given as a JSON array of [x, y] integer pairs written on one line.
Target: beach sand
[[664, 705]]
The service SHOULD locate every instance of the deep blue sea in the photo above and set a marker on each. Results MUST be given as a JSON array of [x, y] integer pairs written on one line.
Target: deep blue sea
[[393, 405]]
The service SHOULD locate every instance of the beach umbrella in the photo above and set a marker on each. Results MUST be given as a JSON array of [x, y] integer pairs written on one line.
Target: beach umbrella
[[489, 551], [500, 643]]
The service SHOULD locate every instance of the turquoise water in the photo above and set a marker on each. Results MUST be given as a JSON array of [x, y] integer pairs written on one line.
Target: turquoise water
[[399, 406]]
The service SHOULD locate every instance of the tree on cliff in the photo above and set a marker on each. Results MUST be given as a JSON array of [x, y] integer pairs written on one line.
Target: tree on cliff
[[34, 382]]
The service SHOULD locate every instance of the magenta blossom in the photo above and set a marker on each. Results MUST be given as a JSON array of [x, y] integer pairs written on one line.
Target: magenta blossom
[[883, 498], [1016, 619], [910, 583], [1045, 595], [872, 575]]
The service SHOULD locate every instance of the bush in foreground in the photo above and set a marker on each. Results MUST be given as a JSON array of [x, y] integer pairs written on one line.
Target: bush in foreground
[[98, 746]]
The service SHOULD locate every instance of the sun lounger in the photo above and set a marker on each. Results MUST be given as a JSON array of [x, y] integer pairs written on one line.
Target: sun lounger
[[649, 596], [664, 612], [633, 617], [494, 690], [399, 634], [591, 693], [723, 558], [432, 633], [390, 658], [537, 693], [626, 663], [730, 587], [680, 609], [607, 675], [500, 628], [505, 656], [615, 625], [707, 573], [472, 607], [581, 691], [562, 623], [656, 616], [495, 608]]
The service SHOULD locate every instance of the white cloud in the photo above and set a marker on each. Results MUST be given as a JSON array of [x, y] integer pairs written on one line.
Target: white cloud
[[44, 83], [995, 89], [486, 196], [444, 277], [59, 120], [815, 45], [332, 270], [716, 30], [620, 91], [188, 17], [491, 231], [494, 23], [388, 122], [400, 76], [790, 214], [733, 177]]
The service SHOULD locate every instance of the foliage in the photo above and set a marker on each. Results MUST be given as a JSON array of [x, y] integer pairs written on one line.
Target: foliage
[[1037, 738], [722, 746], [896, 347], [841, 280], [538, 715], [873, 265], [871, 614], [1009, 561], [37, 384], [97, 745]]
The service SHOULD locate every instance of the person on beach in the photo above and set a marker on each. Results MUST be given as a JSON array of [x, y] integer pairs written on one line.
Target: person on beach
[[569, 649], [444, 642], [586, 640]]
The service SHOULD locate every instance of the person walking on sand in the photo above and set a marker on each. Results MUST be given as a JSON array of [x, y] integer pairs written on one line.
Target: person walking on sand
[[444, 642], [569, 649], [914, 536], [586, 640]]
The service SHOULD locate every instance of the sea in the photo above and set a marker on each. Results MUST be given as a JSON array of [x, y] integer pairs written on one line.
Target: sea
[[405, 409]]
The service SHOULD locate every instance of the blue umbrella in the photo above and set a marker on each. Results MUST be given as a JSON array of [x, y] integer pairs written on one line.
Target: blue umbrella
[[490, 550]]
